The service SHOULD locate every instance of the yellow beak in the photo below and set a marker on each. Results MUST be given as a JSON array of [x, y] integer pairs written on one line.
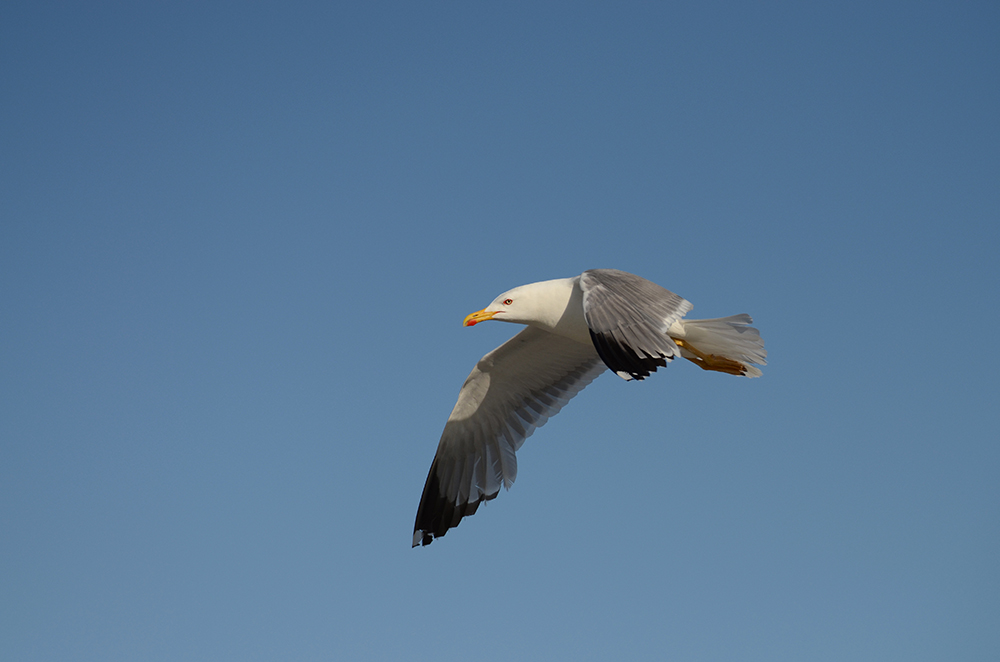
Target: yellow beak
[[477, 317]]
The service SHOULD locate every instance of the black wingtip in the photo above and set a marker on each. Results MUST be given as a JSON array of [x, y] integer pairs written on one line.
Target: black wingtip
[[437, 513], [622, 359]]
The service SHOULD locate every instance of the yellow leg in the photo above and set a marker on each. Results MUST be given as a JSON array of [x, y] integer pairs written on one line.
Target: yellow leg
[[711, 361]]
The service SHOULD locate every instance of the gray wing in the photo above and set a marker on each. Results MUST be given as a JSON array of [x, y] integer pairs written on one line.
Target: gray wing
[[512, 391], [628, 318]]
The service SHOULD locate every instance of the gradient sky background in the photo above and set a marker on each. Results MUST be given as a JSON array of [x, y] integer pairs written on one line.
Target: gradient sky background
[[238, 241]]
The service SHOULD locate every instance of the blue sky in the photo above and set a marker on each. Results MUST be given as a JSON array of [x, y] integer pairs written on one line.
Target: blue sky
[[238, 242]]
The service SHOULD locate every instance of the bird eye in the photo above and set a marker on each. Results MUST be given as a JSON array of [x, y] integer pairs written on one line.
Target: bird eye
[[507, 302]]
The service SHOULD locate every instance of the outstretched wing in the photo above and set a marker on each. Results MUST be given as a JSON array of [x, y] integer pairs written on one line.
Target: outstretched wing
[[512, 391], [628, 318]]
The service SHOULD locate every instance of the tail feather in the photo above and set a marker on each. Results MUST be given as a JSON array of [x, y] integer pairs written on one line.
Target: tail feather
[[724, 344]]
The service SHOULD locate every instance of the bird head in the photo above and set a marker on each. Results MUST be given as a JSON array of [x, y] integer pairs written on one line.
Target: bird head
[[514, 305]]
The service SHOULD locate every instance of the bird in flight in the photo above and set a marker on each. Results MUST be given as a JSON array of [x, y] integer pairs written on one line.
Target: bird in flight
[[576, 329]]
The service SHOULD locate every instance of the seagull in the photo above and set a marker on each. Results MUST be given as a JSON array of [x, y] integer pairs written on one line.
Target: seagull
[[576, 329]]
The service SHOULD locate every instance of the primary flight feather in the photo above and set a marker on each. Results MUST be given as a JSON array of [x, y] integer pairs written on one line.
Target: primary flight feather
[[577, 328]]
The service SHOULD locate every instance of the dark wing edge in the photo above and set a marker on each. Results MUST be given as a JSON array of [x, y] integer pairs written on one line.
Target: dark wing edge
[[628, 317], [437, 513]]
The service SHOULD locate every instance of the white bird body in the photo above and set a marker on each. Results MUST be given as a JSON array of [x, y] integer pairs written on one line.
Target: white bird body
[[577, 328]]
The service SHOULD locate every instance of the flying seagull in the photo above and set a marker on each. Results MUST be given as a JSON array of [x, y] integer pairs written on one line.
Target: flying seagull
[[577, 328]]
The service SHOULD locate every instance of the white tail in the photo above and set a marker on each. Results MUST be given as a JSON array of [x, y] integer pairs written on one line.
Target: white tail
[[724, 344]]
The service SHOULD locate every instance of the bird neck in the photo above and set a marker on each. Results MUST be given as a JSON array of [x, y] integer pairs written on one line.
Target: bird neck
[[559, 308]]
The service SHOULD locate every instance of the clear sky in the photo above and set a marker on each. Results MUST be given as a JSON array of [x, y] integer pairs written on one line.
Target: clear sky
[[238, 241]]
